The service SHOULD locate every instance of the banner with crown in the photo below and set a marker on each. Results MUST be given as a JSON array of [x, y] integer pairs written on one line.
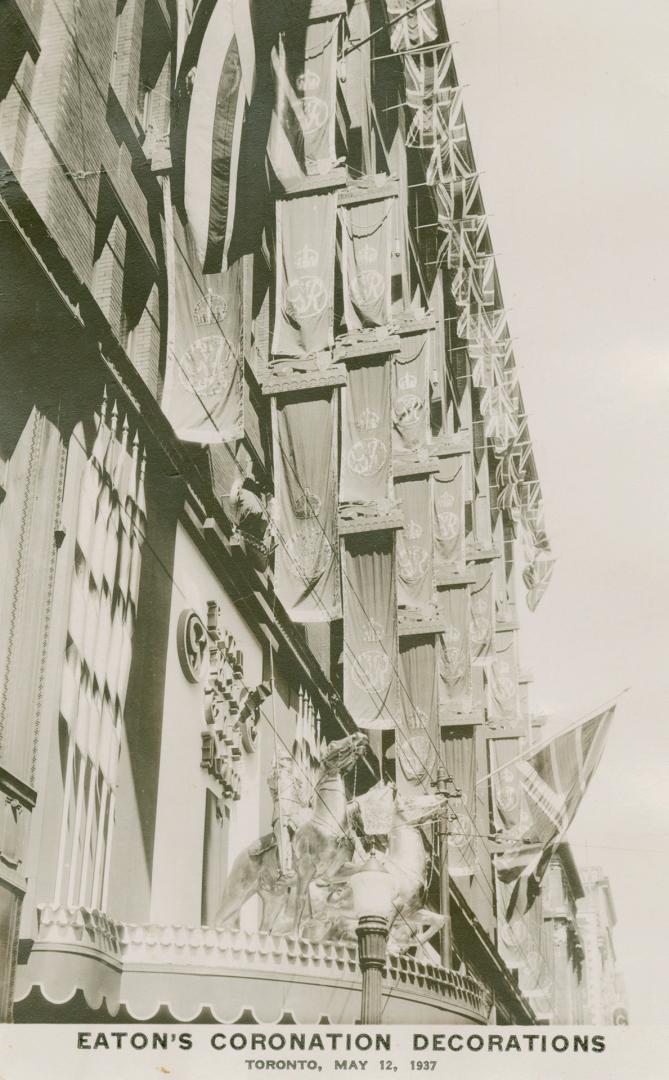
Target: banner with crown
[[370, 629], [366, 249], [501, 679], [415, 560], [482, 613], [366, 457], [455, 665], [305, 266], [509, 810], [449, 512], [463, 838], [305, 469], [417, 730], [204, 381], [302, 129], [410, 393]]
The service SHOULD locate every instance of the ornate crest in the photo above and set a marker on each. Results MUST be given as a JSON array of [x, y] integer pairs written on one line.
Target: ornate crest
[[408, 410], [453, 654], [449, 521], [367, 420], [412, 559], [309, 551], [367, 287], [315, 111], [306, 296], [367, 457], [370, 671], [210, 309], [206, 368]]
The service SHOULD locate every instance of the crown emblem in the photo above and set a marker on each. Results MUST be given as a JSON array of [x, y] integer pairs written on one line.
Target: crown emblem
[[367, 254], [407, 382], [307, 258], [451, 635], [367, 420], [372, 631], [308, 505], [308, 81], [210, 309]]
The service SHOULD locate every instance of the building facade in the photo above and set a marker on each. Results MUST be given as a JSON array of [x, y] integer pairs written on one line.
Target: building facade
[[606, 1001], [266, 483]]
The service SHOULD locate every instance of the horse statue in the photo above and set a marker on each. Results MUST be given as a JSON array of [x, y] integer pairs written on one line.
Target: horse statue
[[320, 842], [406, 859]]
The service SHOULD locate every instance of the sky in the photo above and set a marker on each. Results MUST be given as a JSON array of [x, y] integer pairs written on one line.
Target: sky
[[567, 103]]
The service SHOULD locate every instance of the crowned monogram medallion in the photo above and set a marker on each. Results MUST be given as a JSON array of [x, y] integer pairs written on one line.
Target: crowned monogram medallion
[[206, 369]]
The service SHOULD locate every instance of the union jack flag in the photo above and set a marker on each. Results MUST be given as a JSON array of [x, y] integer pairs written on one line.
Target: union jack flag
[[552, 780], [412, 28], [429, 94]]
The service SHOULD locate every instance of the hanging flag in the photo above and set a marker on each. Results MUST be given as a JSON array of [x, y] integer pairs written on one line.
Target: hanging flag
[[366, 274], [449, 513], [370, 630], [415, 570], [305, 265], [366, 455], [411, 29], [508, 477], [536, 577], [450, 158], [455, 664], [501, 679], [225, 186], [553, 779], [417, 733], [456, 199], [302, 130], [429, 96], [499, 411], [410, 398], [482, 613], [509, 806], [204, 383], [460, 760], [474, 285], [307, 565]]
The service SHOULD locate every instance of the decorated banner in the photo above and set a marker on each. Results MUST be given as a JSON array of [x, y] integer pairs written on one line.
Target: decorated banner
[[411, 28], [305, 264], [509, 810], [501, 679], [464, 242], [499, 410], [455, 665], [370, 630], [204, 384], [482, 612], [451, 157], [415, 568], [410, 396], [536, 578], [302, 131], [460, 760], [457, 198], [520, 943], [448, 488], [417, 734], [429, 95], [366, 274], [366, 455], [305, 469]]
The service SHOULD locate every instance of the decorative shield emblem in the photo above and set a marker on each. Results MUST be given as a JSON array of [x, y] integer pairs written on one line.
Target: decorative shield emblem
[[408, 410], [206, 368], [412, 561], [306, 297], [449, 522], [371, 671]]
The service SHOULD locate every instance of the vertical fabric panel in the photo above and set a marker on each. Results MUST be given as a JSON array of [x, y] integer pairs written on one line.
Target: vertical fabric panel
[[482, 609], [415, 570], [305, 263], [366, 454], [417, 737], [410, 394], [370, 630], [502, 685], [306, 568], [449, 513], [455, 667], [460, 759], [366, 244]]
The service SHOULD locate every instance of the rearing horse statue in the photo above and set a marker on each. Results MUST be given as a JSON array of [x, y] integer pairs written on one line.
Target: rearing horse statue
[[320, 846]]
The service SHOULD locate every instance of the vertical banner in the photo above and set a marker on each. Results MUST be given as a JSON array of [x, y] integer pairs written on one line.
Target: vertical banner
[[204, 384], [455, 665], [370, 630], [482, 612], [366, 274], [366, 455], [305, 263], [460, 760], [449, 513], [411, 25], [417, 736], [508, 814], [502, 685], [306, 569], [415, 569], [302, 130], [410, 397]]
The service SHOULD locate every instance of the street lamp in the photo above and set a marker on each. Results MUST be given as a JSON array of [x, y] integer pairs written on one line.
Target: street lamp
[[373, 892]]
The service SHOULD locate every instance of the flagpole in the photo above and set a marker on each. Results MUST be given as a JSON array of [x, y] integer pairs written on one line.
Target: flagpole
[[531, 750]]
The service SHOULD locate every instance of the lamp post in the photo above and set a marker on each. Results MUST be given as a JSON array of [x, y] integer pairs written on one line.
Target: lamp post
[[373, 891], [444, 878]]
